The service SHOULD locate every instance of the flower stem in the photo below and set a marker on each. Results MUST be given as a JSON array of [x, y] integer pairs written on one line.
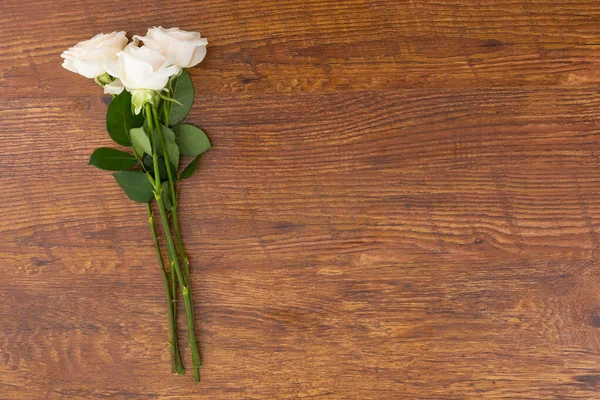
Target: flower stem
[[187, 297], [174, 199], [177, 366], [189, 312], [183, 279], [184, 258], [165, 155]]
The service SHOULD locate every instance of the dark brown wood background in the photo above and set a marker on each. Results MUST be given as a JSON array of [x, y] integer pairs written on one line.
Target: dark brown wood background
[[402, 201]]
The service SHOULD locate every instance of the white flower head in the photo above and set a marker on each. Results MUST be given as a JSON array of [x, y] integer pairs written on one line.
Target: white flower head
[[182, 48], [141, 70], [88, 58]]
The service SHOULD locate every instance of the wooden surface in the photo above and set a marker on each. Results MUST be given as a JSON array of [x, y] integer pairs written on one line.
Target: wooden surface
[[402, 202]]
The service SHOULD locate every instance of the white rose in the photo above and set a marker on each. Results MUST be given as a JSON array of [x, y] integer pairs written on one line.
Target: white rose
[[182, 48], [141, 68], [142, 71], [87, 58], [115, 87]]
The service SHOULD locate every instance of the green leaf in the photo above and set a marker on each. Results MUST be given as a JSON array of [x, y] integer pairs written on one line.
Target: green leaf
[[112, 159], [173, 152], [190, 168], [136, 185], [120, 120], [168, 135], [170, 143], [140, 141], [149, 165], [166, 196], [183, 92], [192, 141]]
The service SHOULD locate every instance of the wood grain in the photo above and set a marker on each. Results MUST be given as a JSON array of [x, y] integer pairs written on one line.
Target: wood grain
[[402, 201]]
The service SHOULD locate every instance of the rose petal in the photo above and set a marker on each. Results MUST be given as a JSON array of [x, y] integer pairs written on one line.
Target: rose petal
[[89, 69]]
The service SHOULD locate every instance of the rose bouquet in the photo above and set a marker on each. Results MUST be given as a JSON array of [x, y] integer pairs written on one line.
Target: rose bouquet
[[152, 93]]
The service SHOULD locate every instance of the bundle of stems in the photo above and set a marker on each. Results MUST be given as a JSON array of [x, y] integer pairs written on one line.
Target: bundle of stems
[[177, 277]]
